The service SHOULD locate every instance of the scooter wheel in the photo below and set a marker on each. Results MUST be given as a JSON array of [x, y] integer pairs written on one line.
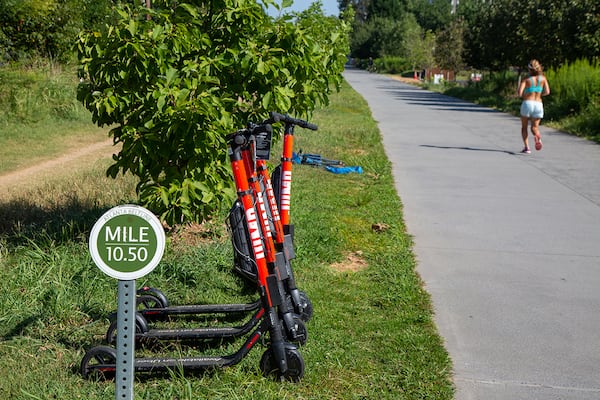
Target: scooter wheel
[[301, 332], [99, 363], [295, 363], [141, 327], [306, 307], [146, 301], [160, 297]]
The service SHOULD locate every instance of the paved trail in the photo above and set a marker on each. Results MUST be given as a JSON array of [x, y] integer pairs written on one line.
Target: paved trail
[[508, 244]]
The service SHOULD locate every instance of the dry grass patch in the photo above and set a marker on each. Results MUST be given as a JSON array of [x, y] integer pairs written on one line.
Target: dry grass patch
[[353, 262]]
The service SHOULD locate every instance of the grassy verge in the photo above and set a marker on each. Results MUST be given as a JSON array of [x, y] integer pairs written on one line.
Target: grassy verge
[[372, 334]]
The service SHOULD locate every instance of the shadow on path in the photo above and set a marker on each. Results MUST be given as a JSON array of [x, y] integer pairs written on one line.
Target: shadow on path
[[416, 96], [512, 153]]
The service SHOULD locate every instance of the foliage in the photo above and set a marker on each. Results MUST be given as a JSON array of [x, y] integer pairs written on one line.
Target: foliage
[[497, 34], [35, 92], [418, 44], [392, 28], [574, 87], [388, 9], [175, 80], [45, 28], [551, 31], [377, 37], [358, 6], [449, 46], [392, 65], [586, 124], [432, 15]]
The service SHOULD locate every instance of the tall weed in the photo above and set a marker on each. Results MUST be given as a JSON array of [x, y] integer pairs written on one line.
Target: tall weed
[[32, 93], [574, 87]]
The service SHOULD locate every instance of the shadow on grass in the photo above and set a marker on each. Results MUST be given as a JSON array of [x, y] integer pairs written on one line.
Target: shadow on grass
[[22, 221]]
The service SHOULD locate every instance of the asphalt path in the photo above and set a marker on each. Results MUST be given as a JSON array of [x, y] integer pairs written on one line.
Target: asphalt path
[[507, 244]]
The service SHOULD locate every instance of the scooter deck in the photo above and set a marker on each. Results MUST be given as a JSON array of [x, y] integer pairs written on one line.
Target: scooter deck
[[199, 309], [150, 364], [196, 333]]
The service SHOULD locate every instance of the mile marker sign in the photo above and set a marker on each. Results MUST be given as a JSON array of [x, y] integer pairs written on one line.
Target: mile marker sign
[[127, 242]]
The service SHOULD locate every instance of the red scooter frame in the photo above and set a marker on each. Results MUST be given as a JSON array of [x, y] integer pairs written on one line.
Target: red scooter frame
[[155, 305]]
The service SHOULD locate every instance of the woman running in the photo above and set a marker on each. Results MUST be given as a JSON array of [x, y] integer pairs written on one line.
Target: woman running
[[531, 91]]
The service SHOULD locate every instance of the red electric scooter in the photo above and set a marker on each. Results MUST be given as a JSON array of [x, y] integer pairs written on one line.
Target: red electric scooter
[[281, 358], [153, 304]]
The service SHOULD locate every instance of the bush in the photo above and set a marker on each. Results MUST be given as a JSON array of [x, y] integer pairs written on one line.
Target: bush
[[574, 87], [391, 65]]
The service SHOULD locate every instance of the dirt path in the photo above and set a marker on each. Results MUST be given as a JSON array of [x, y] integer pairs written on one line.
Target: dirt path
[[42, 171]]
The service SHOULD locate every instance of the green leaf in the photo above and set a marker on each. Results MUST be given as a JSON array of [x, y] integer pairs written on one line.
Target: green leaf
[[171, 75], [260, 67], [164, 196], [132, 27], [160, 102], [157, 32], [190, 9], [266, 100]]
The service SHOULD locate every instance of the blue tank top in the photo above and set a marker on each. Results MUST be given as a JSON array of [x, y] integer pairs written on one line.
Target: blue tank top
[[534, 88]]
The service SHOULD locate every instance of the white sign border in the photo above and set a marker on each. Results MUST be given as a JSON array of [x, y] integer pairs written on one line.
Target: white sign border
[[138, 211]]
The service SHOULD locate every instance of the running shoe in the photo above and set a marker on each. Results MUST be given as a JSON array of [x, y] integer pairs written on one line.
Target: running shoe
[[538, 144], [526, 150]]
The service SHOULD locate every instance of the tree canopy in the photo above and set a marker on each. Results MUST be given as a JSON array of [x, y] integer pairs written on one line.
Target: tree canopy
[[485, 34]]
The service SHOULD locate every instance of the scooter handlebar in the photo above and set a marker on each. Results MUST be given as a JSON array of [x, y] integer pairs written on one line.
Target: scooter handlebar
[[277, 117]]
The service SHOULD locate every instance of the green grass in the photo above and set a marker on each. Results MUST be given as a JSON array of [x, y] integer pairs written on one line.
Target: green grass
[[372, 335]]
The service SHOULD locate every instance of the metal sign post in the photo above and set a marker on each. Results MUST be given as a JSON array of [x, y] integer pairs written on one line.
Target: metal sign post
[[125, 340], [126, 243]]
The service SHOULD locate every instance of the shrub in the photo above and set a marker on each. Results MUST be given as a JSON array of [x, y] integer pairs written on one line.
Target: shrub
[[574, 87], [392, 65]]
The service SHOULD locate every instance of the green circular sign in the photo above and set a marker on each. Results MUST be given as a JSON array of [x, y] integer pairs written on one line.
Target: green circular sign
[[127, 242]]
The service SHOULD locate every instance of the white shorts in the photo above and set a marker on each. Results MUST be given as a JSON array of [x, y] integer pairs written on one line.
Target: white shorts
[[532, 109]]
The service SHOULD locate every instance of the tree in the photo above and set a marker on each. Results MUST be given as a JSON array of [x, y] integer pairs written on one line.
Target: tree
[[359, 7], [504, 33], [449, 46], [431, 15], [378, 37], [392, 9], [418, 44], [46, 28], [174, 85]]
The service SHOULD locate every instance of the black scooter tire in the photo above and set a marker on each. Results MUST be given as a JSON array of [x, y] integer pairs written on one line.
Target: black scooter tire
[[99, 363], [145, 301], [141, 327], [307, 308], [301, 332], [295, 363], [160, 298]]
